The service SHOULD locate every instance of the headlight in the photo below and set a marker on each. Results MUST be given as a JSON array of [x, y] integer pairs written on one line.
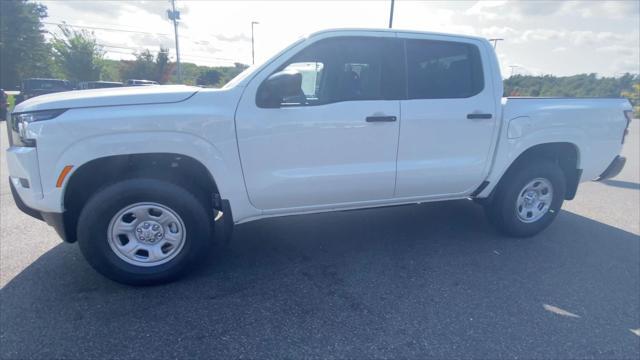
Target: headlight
[[19, 134]]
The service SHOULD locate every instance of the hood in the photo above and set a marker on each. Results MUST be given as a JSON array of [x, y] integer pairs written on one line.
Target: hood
[[134, 95]]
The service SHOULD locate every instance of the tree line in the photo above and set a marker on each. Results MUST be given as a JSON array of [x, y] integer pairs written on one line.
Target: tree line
[[75, 55], [582, 85]]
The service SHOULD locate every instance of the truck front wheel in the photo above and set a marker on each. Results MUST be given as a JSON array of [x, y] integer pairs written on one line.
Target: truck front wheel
[[528, 198], [144, 231]]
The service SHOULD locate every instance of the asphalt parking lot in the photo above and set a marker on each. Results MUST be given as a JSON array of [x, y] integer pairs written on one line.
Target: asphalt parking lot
[[431, 280]]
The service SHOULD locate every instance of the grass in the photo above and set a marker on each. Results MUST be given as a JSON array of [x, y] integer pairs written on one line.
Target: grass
[[11, 100]]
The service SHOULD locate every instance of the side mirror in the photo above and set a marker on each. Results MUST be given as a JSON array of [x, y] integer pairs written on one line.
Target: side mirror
[[277, 87]]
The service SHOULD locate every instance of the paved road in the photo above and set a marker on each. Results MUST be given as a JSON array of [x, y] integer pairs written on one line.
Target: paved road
[[432, 280]]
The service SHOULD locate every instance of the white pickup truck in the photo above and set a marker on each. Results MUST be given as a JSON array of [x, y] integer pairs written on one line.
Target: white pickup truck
[[341, 119]]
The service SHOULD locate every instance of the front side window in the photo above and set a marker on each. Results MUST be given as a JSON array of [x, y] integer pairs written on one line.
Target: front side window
[[312, 73], [346, 69], [443, 69]]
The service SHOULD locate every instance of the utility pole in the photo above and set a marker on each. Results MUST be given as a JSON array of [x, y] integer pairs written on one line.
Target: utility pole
[[391, 14], [513, 67], [495, 42], [175, 16], [253, 53]]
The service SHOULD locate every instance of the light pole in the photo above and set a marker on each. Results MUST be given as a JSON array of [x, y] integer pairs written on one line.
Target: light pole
[[495, 42], [253, 53], [175, 16], [513, 67], [391, 14]]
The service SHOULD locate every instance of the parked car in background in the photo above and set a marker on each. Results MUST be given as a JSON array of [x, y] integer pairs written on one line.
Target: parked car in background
[[35, 87], [342, 119], [133, 82], [4, 104], [86, 85]]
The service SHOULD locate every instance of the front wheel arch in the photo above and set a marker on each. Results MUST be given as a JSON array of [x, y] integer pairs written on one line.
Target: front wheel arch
[[101, 172]]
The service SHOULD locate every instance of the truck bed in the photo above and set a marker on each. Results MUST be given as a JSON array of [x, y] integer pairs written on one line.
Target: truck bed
[[594, 125]]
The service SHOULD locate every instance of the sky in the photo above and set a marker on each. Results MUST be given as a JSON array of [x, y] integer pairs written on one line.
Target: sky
[[540, 37]]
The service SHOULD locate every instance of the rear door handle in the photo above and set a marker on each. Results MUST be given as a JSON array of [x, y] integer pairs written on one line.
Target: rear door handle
[[381, 118], [479, 116]]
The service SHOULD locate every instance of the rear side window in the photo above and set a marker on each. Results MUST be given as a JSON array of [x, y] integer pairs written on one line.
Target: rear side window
[[348, 69], [443, 69]]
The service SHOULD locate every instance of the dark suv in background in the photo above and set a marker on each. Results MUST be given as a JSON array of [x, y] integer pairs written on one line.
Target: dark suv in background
[[35, 87], [87, 85]]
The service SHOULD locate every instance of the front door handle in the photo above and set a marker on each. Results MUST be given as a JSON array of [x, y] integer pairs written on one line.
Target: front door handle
[[479, 116], [381, 118]]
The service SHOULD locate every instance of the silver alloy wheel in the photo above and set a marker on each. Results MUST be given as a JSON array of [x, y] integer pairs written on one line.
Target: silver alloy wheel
[[534, 200], [146, 234]]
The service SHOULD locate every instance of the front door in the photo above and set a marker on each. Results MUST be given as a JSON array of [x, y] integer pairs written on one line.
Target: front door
[[336, 141]]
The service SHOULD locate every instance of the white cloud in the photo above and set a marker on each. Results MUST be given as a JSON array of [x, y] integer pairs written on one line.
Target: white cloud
[[527, 9], [499, 32], [625, 65], [487, 10], [541, 35], [610, 9]]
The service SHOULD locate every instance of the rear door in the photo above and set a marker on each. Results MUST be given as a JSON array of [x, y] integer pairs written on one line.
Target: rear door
[[448, 118]]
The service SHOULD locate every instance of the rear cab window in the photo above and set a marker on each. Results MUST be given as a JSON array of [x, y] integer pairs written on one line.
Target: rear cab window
[[443, 69]]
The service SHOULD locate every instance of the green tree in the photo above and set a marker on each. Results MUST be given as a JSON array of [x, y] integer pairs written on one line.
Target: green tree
[[23, 50], [143, 67], [77, 54], [209, 77], [110, 70], [146, 66], [581, 85], [164, 68], [634, 97]]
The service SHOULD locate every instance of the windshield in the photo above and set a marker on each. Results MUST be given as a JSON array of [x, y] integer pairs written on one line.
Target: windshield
[[251, 69]]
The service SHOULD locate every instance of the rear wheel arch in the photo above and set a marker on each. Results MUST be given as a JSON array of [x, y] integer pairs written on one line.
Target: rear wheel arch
[[565, 154], [101, 172]]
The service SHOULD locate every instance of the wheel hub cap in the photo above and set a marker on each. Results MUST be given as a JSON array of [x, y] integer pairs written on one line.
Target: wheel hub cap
[[149, 232], [146, 234], [534, 200]]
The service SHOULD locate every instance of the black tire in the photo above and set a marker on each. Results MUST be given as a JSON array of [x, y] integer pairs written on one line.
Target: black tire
[[502, 209], [96, 215]]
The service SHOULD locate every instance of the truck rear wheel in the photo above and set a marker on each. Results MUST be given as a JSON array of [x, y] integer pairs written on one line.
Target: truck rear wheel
[[528, 198], [144, 231]]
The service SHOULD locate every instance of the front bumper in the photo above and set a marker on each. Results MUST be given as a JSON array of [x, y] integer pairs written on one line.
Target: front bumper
[[56, 220], [21, 205], [614, 168], [26, 188]]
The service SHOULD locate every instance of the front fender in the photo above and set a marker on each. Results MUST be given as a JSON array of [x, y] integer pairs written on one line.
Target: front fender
[[225, 172]]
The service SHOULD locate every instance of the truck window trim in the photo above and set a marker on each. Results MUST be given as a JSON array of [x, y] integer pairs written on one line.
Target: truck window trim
[[403, 88]]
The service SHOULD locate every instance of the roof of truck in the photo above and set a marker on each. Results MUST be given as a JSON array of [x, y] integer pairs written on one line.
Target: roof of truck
[[400, 31]]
